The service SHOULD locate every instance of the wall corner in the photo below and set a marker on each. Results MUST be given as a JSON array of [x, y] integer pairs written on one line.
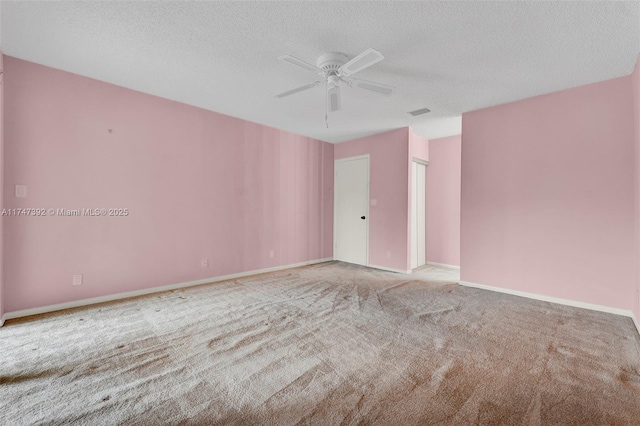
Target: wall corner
[[635, 92]]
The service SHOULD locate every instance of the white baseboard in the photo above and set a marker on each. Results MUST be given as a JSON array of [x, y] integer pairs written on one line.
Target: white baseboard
[[636, 322], [557, 300], [142, 292], [567, 302], [444, 265], [384, 268]]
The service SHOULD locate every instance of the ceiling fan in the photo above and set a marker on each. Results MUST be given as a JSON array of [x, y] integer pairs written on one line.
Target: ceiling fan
[[334, 68]]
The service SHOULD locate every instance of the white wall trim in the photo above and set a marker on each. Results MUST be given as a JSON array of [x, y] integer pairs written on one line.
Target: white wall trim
[[384, 268], [443, 265], [145, 291], [557, 300], [420, 161], [636, 322]]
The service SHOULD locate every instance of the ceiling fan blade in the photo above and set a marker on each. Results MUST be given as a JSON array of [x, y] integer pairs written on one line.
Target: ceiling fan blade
[[298, 89], [383, 89], [299, 62], [360, 62], [333, 99]]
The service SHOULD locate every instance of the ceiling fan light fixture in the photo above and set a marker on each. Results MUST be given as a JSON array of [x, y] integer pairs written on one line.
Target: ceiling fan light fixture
[[420, 111], [333, 99], [332, 81]]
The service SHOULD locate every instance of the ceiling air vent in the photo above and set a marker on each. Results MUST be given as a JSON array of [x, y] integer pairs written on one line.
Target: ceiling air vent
[[420, 111]]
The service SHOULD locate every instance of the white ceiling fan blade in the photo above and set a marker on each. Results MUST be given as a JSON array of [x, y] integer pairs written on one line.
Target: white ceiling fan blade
[[333, 99], [383, 89], [298, 89], [299, 62], [360, 62]]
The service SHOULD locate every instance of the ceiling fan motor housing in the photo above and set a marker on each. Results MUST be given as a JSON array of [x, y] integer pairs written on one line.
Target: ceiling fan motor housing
[[331, 62]]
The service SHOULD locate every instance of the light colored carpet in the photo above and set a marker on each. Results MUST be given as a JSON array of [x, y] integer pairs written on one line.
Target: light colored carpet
[[325, 344]]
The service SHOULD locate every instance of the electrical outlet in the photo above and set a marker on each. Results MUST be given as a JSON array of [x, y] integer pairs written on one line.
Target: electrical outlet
[[204, 263], [77, 279], [272, 254], [21, 191]]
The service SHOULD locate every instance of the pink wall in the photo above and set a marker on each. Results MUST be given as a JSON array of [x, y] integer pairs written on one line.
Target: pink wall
[[388, 238], [419, 146], [1, 184], [443, 200], [635, 81], [547, 195], [197, 184]]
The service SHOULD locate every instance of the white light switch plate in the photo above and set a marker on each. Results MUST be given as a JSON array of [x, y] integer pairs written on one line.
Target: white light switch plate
[[77, 279], [21, 191]]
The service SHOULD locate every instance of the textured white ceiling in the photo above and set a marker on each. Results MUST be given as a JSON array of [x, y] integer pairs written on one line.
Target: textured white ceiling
[[451, 57]]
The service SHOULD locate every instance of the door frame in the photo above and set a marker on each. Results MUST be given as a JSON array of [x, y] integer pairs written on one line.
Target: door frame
[[335, 199], [425, 163]]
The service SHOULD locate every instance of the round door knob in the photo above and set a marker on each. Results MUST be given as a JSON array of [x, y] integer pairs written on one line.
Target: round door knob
[[362, 217]]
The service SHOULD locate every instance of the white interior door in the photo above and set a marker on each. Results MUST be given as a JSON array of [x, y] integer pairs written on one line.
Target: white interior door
[[418, 215], [351, 218]]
